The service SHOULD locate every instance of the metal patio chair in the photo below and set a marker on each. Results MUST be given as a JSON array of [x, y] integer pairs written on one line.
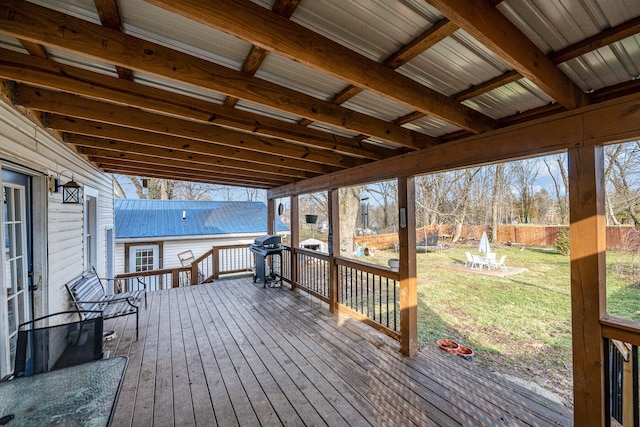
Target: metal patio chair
[[43, 347]]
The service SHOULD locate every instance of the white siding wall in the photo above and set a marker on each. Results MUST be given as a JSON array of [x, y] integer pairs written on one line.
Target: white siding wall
[[58, 236], [171, 248]]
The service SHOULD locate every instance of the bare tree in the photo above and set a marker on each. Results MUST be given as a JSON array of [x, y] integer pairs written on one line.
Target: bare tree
[[349, 205], [117, 189], [462, 206], [498, 178], [193, 191], [560, 180], [624, 169], [525, 173], [254, 194], [385, 195]]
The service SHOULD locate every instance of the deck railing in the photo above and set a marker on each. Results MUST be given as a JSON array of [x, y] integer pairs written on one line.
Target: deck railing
[[313, 272], [155, 280], [370, 293], [221, 260], [367, 292], [286, 267], [217, 261], [621, 383]]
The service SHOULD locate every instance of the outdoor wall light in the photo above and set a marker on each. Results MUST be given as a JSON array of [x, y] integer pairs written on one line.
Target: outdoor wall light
[[71, 191]]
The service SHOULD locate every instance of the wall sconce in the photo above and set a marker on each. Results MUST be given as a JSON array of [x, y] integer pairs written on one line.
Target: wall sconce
[[71, 191]]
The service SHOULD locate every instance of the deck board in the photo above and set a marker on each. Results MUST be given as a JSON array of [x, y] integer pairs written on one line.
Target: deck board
[[232, 353]]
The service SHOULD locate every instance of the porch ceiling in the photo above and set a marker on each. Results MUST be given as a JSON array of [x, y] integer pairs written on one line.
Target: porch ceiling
[[269, 93]]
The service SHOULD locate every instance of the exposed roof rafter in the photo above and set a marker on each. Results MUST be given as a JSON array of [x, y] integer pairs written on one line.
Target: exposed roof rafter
[[491, 28], [261, 27], [42, 25]]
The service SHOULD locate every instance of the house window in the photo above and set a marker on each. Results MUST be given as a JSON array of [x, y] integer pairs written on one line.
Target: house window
[[90, 229], [145, 258]]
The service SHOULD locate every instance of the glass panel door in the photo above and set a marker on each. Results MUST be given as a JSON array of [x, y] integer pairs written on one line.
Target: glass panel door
[[15, 289]]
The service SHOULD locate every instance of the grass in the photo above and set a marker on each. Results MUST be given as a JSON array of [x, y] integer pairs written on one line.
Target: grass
[[518, 325]]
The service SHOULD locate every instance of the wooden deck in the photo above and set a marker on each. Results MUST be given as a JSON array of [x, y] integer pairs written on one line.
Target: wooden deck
[[232, 353]]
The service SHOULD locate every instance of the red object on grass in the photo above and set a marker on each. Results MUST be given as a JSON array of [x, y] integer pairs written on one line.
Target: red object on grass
[[448, 346]]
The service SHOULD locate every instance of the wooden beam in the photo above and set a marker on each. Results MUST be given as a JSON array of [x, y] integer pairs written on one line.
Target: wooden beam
[[171, 170], [42, 25], [107, 131], [479, 89], [423, 42], [604, 38], [110, 18], [407, 271], [263, 28], [34, 49], [611, 121], [130, 149], [82, 108], [491, 28], [432, 36], [588, 282], [257, 55], [157, 173], [179, 175], [51, 75]]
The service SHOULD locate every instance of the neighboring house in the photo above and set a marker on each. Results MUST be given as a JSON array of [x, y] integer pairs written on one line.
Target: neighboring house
[[315, 244], [151, 233], [46, 243]]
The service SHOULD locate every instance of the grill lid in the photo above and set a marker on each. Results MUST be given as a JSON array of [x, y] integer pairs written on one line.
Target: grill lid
[[268, 240]]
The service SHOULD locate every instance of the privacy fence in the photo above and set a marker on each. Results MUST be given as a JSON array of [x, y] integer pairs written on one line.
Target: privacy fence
[[623, 237]]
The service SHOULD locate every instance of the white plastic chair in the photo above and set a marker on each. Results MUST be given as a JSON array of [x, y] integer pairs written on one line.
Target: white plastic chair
[[500, 264], [469, 261], [490, 260], [478, 262]]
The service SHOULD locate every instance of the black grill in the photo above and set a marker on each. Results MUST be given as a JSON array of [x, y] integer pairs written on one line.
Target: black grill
[[262, 248]]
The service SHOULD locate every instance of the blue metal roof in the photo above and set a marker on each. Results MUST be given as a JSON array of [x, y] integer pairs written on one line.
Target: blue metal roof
[[156, 218]]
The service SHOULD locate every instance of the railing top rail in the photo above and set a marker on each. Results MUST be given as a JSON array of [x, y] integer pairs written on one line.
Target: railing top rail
[[246, 245], [621, 329], [312, 253], [151, 272], [368, 268], [203, 257]]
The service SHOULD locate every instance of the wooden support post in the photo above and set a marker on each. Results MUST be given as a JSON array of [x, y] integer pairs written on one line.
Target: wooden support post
[[194, 273], [588, 287], [271, 228], [271, 216], [175, 278], [295, 241], [334, 247], [408, 282], [215, 259]]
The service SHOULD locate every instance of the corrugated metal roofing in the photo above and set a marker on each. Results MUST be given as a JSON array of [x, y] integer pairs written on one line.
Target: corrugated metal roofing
[[135, 218], [377, 29], [374, 29], [285, 72]]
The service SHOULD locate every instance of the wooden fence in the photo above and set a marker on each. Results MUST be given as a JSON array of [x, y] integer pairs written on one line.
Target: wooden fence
[[624, 237]]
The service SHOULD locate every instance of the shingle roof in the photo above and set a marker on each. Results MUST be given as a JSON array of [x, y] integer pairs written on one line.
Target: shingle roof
[[154, 218]]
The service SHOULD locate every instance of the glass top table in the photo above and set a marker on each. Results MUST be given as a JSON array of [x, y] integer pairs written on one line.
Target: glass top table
[[82, 395]]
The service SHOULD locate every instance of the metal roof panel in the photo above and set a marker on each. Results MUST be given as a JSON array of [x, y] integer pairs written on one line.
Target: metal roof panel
[[285, 72], [374, 105], [135, 218], [373, 28]]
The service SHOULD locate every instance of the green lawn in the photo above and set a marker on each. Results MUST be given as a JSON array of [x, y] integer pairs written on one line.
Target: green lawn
[[518, 325]]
